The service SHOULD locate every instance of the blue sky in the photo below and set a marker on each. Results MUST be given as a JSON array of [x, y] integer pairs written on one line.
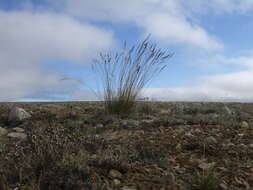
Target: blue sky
[[43, 41]]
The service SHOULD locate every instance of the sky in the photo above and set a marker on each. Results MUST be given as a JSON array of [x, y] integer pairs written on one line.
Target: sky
[[47, 47]]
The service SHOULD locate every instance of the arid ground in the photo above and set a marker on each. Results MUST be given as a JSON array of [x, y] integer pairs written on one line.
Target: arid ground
[[160, 146]]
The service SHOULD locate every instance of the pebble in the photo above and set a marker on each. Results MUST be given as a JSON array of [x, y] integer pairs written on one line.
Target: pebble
[[116, 182], [210, 140], [245, 124], [115, 174], [17, 135], [128, 188], [3, 131], [18, 129]]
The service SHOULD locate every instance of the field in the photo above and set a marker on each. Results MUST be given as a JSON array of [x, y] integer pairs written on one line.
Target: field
[[159, 146]]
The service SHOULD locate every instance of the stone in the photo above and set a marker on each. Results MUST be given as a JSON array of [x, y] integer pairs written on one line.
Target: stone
[[100, 125], [242, 146], [127, 124], [250, 145], [206, 166], [3, 131], [18, 114], [18, 129], [210, 140], [223, 186], [128, 188], [115, 174], [116, 182], [245, 124], [17, 135]]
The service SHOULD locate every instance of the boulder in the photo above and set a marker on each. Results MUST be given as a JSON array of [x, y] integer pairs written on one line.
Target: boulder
[[18, 114]]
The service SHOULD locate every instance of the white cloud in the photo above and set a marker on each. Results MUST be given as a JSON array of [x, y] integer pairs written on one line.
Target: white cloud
[[167, 21], [28, 39], [235, 86]]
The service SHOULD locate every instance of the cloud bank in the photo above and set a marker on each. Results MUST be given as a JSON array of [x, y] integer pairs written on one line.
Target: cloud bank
[[29, 39]]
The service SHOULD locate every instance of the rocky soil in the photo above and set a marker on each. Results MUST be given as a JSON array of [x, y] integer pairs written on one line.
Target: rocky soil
[[160, 146]]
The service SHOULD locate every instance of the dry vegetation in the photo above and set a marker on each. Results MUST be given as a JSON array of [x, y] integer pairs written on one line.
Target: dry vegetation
[[159, 146]]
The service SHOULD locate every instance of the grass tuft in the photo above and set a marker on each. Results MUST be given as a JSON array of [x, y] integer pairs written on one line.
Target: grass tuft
[[125, 74]]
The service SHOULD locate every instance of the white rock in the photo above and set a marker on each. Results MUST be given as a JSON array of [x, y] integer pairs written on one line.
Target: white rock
[[245, 124], [17, 135], [210, 140], [3, 131], [116, 182], [100, 125], [206, 166], [115, 174], [18, 129], [128, 188], [18, 114]]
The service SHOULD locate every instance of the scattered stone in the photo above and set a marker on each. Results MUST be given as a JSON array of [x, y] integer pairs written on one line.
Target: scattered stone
[[197, 131], [210, 140], [129, 124], [223, 186], [242, 146], [230, 144], [165, 112], [128, 188], [100, 125], [18, 114], [245, 124], [116, 182], [17, 135], [18, 129], [188, 134], [115, 174], [3, 131], [251, 145], [206, 166]]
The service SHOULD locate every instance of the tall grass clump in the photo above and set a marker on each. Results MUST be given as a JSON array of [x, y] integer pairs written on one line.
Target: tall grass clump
[[124, 74]]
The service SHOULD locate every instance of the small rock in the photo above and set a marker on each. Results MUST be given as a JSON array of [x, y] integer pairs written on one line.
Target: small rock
[[164, 112], [251, 145], [188, 134], [17, 135], [115, 174], [129, 124], [100, 125], [242, 146], [206, 166], [210, 140], [245, 124], [128, 188], [3, 131], [230, 144], [223, 186], [18, 129], [116, 182], [197, 131], [18, 114]]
